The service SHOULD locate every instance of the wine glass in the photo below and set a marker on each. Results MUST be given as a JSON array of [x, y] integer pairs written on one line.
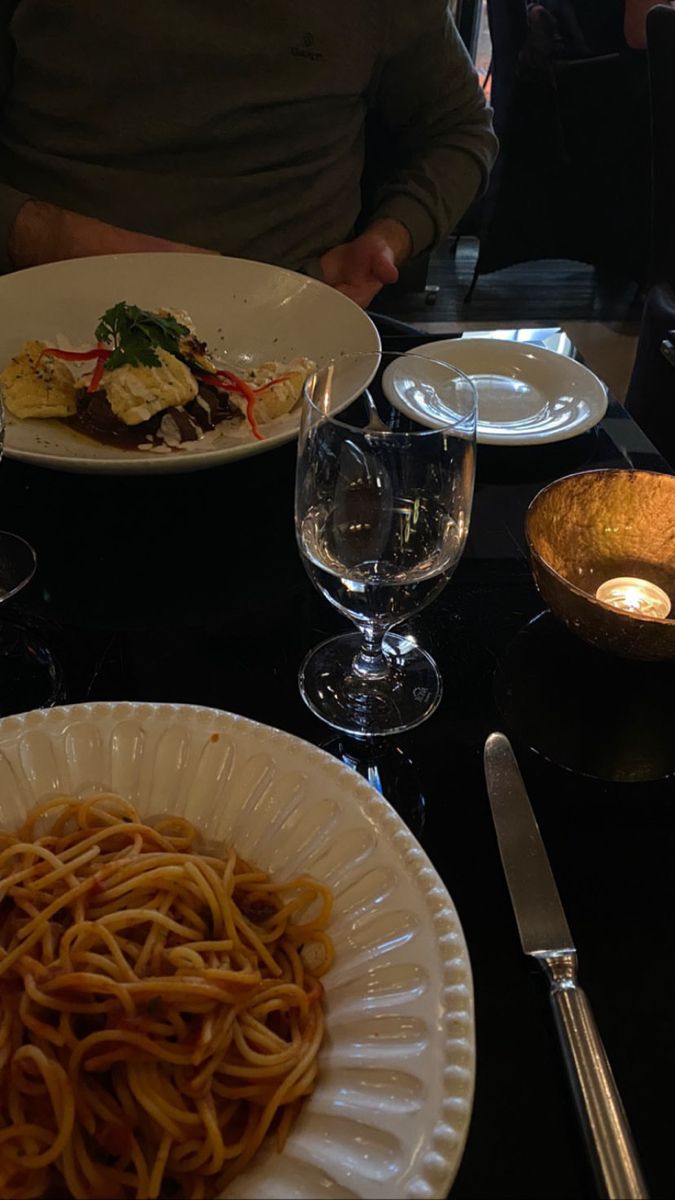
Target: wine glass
[[29, 674], [17, 557], [382, 507]]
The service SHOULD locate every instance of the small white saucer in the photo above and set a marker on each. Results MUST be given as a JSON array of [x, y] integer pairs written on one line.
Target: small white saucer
[[527, 395]]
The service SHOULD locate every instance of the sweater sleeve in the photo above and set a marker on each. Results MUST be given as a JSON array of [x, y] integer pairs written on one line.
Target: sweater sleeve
[[430, 100], [11, 200]]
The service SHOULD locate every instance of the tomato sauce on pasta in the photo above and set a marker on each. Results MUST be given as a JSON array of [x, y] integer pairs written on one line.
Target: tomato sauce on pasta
[[158, 1013]]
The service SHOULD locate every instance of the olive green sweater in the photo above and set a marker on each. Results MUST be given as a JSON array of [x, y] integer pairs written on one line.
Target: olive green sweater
[[239, 126]]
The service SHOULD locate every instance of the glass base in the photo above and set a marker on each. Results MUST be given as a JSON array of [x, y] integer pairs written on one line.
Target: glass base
[[30, 676], [408, 694]]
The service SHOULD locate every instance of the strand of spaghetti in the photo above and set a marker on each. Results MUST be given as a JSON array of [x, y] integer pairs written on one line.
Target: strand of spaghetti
[[288, 1116], [255, 1091], [166, 1053], [128, 830], [185, 959], [189, 917], [121, 869], [89, 1008], [275, 1058], [17, 1113], [168, 1098], [158, 877], [139, 1161], [295, 963], [28, 850], [155, 938], [216, 1146], [63, 1103], [17, 1132], [282, 1090], [307, 895], [142, 896], [182, 823], [136, 1076], [41, 810], [98, 932], [85, 808], [256, 943], [138, 916], [259, 1033], [126, 1101], [40, 882], [227, 914], [220, 947], [90, 981], [158, 1168], [219, 1047], [90, 960], [101, 1103], [38, 1027], [198, 1153], [70, 1170], [98, 1176], [207, 892], [29, 939], [96, 1179]]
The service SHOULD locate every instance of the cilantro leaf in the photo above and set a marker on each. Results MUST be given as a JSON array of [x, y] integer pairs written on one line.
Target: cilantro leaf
[[136, 334]]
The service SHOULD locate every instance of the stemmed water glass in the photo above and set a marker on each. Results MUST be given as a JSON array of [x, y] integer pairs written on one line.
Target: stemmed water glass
[[382, 507]]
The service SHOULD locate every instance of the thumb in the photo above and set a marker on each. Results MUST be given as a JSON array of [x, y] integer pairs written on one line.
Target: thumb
[[383, 266]]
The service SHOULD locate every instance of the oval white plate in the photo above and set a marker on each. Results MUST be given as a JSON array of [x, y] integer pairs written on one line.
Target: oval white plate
[[391, 1111], [248, 312], [527, 395]]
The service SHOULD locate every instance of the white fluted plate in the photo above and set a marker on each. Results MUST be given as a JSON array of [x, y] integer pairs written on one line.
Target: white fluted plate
[[391, 1111]]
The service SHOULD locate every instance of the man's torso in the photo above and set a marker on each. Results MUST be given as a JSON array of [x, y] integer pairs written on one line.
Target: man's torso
[[237, 127]]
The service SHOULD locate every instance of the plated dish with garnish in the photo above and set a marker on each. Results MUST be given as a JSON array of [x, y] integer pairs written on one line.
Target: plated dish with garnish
[[159, 362], [148, 383], [227, 968]]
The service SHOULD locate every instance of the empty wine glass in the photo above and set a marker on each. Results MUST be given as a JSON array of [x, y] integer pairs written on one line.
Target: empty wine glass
[[382, 508], [17, 557], [29, 675]]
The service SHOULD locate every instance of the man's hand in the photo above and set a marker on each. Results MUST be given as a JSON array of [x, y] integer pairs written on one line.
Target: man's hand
[[363, 267], [45, 233]]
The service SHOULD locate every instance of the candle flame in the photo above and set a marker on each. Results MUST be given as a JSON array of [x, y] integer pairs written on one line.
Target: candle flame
[[637, 596]]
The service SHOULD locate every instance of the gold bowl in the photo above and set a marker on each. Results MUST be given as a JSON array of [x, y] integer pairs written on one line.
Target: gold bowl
[[599, 525]]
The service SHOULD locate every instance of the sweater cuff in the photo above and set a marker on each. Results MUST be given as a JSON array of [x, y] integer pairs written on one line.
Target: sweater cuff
[[414, 215], [10, 202]]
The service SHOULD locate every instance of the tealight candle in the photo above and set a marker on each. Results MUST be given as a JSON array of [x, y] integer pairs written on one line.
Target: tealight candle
[[637, 596]]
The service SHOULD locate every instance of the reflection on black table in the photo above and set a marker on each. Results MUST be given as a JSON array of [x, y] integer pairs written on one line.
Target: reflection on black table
[[191, 589]]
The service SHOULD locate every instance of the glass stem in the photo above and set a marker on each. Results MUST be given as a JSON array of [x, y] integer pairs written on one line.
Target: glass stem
[[370, 664]]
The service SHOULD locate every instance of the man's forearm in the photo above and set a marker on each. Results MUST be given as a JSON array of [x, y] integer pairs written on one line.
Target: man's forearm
[[45, 233], [34, 234], [11, 203]]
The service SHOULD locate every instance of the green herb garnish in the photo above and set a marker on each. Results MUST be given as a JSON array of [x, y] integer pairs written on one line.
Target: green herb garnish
[[136, 334]]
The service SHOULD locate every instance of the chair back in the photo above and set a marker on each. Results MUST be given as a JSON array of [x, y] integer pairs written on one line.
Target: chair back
[[507, 21], [661, 54]]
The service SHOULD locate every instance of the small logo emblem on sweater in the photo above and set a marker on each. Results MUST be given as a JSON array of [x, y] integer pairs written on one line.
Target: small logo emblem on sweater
[[306, 48]]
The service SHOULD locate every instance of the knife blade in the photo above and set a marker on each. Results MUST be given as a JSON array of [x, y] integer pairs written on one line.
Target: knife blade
[[540, 918], [545, 936]]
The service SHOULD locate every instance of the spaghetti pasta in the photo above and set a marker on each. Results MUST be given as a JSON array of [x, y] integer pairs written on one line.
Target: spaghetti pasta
[[160, 1008]]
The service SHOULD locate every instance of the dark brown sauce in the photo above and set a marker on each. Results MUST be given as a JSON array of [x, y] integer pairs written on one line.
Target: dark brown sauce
[[96, 420]]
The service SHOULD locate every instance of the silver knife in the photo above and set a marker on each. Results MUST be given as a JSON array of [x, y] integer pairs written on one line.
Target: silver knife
[[545, 935]]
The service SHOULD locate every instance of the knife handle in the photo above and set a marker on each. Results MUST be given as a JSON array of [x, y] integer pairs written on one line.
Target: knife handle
[[602, 1114]]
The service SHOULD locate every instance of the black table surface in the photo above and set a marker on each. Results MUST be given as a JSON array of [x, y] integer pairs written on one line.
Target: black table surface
[[189, 588]]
